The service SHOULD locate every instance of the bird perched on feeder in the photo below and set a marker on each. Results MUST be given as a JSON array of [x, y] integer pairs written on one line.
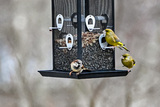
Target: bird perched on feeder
[[77, 66], [113, 40], [128, 61]]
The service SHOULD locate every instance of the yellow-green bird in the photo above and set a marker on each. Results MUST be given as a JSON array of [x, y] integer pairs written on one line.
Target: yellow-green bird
[[128, 61], [112, 39]]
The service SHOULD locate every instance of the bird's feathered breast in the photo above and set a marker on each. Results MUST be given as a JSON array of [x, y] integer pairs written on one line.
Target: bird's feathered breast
[[112, 39], [128, 62]]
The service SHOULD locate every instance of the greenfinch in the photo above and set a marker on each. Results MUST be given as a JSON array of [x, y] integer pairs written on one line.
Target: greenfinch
[[128, 61], [113, 40], [76, 66]]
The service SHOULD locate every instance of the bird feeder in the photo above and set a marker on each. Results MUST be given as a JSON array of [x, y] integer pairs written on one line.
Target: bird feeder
[[77, 33]]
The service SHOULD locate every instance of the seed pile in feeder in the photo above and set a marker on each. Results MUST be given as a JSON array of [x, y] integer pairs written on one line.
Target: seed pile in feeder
[[93, 57]]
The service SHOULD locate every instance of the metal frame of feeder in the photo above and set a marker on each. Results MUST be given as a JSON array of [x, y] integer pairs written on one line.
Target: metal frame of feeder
[[84, 74]]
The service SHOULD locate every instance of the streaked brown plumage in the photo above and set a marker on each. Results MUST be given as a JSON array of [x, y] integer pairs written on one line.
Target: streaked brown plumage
[[77, 67]]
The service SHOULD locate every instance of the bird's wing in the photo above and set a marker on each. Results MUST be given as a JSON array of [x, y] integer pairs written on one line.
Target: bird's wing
[[134, 62], [116, 38], [113, 39]]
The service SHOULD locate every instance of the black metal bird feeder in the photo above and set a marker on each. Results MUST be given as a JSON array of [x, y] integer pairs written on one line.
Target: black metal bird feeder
[[77, 33]]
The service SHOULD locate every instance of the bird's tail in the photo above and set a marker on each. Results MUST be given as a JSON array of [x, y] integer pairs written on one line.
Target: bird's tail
[[122, 46], [125, 48]]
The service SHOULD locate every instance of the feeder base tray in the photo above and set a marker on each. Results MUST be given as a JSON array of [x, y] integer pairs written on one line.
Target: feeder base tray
[[84, 74]]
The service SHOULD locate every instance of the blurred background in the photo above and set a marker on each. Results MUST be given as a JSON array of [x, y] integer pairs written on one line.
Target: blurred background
[[25, 47]]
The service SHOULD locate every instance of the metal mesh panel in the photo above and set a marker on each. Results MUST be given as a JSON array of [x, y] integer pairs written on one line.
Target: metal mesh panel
[[94, 57], [63, 57]]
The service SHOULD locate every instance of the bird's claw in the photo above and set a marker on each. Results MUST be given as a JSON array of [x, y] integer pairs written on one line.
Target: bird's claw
[[77, 73], [129, 71], [70, 73]]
